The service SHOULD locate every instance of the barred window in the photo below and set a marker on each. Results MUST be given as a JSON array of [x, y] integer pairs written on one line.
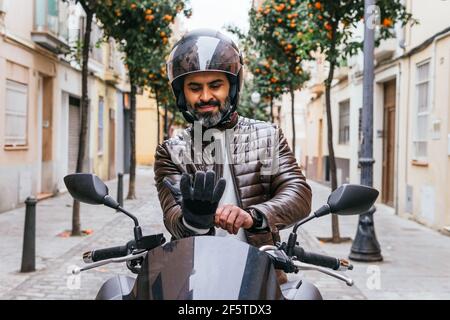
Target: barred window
[[344, 122], [16, 114]]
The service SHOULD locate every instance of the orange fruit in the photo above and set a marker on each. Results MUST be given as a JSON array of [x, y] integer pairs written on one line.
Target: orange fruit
[[148, 11], [133, 6], [318, 5], [149, 18], [387, 22], [279, 20]]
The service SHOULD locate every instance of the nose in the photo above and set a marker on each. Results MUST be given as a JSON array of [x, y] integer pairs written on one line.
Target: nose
[[206, 95]]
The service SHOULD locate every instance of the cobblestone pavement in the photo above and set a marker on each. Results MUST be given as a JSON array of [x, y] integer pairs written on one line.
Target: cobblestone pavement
[[408, 272], [56, 256]]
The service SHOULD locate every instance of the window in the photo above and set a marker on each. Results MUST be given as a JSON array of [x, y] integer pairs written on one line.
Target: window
[[16, 113], [422, 111], [100, 125], [344, 122]]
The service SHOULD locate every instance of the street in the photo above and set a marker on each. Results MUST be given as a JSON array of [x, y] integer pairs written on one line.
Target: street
[[415, 266]]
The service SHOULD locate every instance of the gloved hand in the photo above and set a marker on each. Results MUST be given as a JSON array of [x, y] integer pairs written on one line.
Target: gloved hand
[[200, 199]]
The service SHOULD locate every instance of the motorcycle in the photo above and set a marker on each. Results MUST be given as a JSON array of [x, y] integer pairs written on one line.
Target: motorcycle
[[208, 267]]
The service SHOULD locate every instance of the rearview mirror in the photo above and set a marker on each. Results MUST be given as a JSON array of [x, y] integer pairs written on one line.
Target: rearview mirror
[[86, 188], [352, 199]]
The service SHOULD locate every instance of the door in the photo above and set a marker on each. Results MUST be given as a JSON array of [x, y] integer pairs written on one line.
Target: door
[[389, 143]]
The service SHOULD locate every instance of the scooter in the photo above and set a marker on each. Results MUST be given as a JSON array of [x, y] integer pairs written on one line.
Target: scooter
[[208, 267]]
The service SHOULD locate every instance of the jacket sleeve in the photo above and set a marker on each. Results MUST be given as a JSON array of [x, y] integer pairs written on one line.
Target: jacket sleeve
[[290, 195], [172, 215]]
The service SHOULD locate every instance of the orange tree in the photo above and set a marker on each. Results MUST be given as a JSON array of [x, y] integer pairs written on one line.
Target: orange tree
[[267, 77], [276, 27], [142, 29], [330, 26]]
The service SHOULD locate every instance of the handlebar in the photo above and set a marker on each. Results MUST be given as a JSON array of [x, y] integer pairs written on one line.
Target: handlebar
[[316, 259], [104, 254]]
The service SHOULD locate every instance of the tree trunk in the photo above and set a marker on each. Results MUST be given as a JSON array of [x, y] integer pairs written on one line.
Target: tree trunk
[[76, 229], [166, 123], [335, 238], [172, 119], [132, 181], [293, 119]]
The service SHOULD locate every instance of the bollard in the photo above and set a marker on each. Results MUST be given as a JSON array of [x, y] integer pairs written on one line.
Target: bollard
[[120, 189], [29, 237]]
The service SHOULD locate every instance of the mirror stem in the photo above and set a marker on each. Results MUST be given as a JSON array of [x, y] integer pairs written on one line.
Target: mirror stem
[[136, 222], [298, 224]]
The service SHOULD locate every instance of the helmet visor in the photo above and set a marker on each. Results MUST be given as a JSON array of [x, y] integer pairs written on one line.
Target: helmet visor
[[203, 53]]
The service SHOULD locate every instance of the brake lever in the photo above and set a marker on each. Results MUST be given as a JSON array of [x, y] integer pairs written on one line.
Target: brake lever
[[305, 266], [129, 257]]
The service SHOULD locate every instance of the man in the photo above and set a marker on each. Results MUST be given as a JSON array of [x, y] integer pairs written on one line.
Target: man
[[246, 181]]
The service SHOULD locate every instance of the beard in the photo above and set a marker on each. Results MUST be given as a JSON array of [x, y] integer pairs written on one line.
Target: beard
[[211, 119]]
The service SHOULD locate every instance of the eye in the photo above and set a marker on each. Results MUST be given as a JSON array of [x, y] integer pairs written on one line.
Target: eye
[[195, 89], [215, 86]]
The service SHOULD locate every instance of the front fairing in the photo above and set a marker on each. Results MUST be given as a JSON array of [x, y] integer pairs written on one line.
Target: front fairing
[[206, 267]]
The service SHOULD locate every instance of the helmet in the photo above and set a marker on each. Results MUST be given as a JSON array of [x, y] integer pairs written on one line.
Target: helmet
[[205, 50]]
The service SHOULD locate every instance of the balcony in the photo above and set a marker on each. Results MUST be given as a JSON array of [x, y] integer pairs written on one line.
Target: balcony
[[50, 26], [111, 76], [341, 73], [385, 50]]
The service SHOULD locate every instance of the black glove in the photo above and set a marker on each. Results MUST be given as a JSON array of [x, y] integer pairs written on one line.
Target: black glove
[[199, 201]]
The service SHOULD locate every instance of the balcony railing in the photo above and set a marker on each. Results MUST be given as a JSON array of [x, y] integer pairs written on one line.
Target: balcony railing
[[50, 27]]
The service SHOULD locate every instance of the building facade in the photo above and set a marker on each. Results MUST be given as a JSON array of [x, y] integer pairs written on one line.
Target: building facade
[[411, 144]]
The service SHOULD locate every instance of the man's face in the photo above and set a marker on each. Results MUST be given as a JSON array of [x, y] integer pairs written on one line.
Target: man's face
[[206, 96]]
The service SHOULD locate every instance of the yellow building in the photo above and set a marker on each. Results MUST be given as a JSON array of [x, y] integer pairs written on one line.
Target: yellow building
[[40, 91], [35, 84], [147, 129]]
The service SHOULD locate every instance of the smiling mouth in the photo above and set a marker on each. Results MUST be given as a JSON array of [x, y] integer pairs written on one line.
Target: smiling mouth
[[207, 108]]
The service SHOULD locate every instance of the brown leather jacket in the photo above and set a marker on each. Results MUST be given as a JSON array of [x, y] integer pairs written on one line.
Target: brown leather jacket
[[280, 192]]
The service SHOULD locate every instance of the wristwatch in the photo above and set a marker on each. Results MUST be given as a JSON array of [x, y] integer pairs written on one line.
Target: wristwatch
[[257, 218]]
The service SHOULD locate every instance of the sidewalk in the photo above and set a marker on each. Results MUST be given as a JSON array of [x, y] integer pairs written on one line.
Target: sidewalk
[[56, 255], [416, 259]]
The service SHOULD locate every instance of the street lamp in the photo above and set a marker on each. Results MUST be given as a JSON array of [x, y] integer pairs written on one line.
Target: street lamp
[[256, 97], [365, 247]]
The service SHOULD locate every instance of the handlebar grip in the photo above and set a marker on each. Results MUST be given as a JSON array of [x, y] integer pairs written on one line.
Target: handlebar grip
[[103, 254], [316, 259]]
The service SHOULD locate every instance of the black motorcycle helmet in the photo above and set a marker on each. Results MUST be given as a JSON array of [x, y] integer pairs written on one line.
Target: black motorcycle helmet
[[205, 50]]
